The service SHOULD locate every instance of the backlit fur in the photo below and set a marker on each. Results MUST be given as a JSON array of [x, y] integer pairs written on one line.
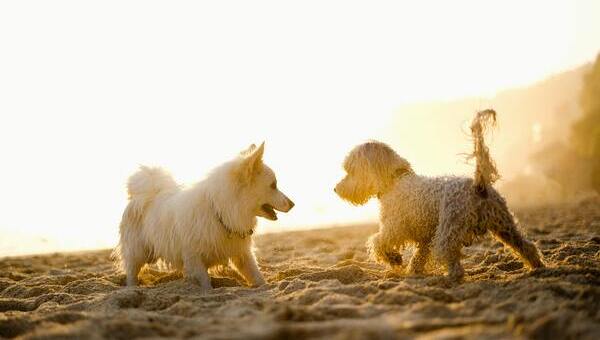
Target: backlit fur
[[188, 227], [436, 214]]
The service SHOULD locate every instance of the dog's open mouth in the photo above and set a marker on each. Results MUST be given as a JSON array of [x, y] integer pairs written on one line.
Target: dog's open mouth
[[269, 212]]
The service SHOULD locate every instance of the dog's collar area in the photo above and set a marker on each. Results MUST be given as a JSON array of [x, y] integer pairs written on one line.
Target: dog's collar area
[[230, 232], [399, 173]]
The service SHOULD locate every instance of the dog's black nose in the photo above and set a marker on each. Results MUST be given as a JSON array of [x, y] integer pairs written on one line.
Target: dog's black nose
[[335, 190], [290, 203]]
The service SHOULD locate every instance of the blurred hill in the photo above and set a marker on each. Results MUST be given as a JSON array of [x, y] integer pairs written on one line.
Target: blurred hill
[[434, 135]]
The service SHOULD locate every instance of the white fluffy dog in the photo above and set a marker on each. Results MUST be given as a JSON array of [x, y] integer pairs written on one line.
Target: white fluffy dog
[[206, 225], [442, 214]]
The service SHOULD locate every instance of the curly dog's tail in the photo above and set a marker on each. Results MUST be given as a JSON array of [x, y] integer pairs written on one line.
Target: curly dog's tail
[[485, 172]]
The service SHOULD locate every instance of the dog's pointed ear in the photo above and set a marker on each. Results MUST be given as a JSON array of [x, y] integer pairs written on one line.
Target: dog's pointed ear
[[257, 153], [248, 150], [252, 162]]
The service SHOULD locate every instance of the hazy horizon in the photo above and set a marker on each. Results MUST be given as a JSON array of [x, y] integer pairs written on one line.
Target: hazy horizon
[[90, 91]]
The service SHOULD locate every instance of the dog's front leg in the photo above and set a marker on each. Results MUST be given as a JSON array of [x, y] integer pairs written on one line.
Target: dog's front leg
[[382, 250], [419, 259], [246, 265], [195, 270]]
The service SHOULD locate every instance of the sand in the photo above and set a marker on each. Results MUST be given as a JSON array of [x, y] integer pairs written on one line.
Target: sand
[[321, 285]]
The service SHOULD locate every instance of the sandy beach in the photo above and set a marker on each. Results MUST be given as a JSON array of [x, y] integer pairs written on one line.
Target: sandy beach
[[321, 285]]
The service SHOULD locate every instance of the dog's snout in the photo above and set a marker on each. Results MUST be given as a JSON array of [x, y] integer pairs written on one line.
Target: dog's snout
[[290, 203], [335, 190]]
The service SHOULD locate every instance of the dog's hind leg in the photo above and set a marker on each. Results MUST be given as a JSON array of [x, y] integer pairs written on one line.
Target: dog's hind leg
[[133, 258], [247, 267], [447, 243], [382, 250], [505, 229], [132, 269], [419, 259], [195, 270]]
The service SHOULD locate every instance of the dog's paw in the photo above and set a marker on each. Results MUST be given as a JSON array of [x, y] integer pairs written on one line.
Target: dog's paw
[[264, 287], [393, 258], [456, 275], [415, 270], [256, 282], [204, 285], [258, 285], [206, 289], [440, 281]]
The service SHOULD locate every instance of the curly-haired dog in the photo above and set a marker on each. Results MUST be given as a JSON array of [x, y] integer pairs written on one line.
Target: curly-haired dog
[[208, 224], [442, 214]]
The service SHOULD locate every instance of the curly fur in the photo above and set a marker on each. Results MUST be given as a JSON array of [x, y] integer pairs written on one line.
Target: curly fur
[[439, 215], [201, 227], [486, 172]]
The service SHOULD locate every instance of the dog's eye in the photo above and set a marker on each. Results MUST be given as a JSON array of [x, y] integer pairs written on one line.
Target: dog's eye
[[274, 185]]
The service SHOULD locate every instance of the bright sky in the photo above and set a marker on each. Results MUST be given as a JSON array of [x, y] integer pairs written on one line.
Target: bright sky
[[89, 90]]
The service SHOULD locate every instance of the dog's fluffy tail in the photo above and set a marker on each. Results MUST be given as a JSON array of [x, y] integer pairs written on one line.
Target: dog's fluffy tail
[[147, 182], [142, 187], [485, 171]]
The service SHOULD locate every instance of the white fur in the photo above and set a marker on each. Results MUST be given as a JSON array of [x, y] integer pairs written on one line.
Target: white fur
[[442, 214], [188, 227]]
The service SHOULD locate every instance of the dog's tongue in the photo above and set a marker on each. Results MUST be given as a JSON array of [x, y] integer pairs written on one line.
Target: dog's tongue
[[270, 211]]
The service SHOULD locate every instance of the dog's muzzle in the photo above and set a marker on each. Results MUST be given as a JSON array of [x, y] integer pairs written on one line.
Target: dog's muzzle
[[289, 205]]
